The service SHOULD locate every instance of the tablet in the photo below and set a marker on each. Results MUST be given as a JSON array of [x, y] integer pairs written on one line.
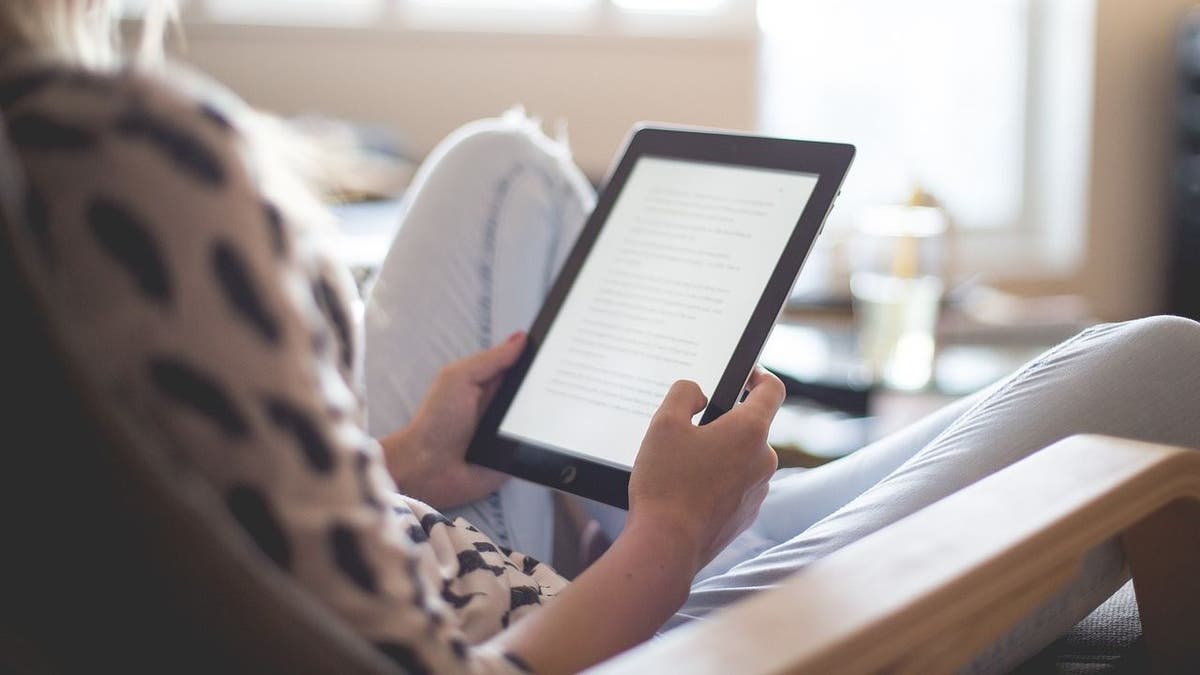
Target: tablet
[[679, 273]]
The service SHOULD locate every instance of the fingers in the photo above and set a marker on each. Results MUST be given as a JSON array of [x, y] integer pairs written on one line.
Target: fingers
[[489, 363], [684, 399], [766, 394]]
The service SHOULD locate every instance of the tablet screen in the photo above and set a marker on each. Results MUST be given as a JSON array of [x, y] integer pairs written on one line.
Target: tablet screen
[[665, 294]]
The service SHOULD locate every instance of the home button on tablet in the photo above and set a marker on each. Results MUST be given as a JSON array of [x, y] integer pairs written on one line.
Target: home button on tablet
[[568, 474]]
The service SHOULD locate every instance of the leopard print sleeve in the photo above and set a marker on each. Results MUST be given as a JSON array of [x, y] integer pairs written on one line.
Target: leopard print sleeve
[[196, 307]]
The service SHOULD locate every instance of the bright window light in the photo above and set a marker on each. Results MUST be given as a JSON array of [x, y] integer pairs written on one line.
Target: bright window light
[[517, 16], [540, 5], [931, 91], [577, 15], [295, 11], [671, 6]]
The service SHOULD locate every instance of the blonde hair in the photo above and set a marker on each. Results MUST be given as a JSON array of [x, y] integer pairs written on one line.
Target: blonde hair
[[83, 32], [86, 33]]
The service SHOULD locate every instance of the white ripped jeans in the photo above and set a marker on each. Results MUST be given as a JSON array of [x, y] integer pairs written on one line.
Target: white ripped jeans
[[490, 218]]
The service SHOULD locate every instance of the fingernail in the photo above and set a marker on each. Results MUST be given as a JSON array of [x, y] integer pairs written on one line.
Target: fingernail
[[515, 336]]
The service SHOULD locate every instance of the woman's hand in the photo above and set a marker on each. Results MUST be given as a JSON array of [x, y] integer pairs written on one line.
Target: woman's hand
[[426, 458], [706, 482], [692, 490]]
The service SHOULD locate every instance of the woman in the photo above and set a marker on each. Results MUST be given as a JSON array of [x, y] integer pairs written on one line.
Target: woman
[[188, 283]]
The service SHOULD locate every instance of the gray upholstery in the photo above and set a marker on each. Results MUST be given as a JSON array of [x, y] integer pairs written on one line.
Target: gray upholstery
[[1114, 628], [1109, 640]]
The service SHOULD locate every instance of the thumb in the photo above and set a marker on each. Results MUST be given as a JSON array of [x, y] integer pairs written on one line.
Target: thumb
[[684, 399], [487, 364], [766, 394]]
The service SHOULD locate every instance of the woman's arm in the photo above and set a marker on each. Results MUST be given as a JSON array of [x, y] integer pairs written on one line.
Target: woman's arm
[[693, 489], [618, 603]]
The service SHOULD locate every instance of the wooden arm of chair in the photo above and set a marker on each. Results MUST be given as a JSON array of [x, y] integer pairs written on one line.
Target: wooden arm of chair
[[928, 592]]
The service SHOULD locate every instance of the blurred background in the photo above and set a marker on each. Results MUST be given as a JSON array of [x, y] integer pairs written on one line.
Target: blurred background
[[1025, 167]]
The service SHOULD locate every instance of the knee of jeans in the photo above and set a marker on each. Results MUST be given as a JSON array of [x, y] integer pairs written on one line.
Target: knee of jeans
[[510, 140], [1164, 335], [1165, 346]]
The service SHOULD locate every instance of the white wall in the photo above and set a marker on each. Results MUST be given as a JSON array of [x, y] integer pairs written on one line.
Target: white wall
[[425, 84], [1125, 200], [1132, 149]]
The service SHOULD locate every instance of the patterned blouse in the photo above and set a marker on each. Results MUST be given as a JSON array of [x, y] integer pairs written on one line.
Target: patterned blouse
[[209, 314]]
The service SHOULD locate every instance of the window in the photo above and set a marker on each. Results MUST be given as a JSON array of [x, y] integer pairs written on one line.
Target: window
[[671, 6], [931, 91], [985, 104], [288, 11], [489, 15], [536, 5], [522, 15]]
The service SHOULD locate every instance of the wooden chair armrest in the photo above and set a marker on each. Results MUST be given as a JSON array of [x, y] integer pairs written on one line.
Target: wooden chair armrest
[[928, 592]]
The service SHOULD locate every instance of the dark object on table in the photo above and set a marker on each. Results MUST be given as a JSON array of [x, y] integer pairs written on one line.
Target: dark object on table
[[848, 398], [1184, 274]]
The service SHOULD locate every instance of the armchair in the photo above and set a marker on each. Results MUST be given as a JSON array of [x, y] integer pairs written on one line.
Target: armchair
[[926, 593]]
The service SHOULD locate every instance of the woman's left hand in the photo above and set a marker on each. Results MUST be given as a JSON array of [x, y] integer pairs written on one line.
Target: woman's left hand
[[427, 458]]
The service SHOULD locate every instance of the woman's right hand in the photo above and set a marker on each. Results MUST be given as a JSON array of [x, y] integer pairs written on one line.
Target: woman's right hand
[[692, 490], [706, 482]]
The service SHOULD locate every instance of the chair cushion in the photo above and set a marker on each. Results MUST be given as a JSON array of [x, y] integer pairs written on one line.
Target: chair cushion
[[1109, 640]]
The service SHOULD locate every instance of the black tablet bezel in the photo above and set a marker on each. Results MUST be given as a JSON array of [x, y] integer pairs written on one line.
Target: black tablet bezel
[[603, 482]]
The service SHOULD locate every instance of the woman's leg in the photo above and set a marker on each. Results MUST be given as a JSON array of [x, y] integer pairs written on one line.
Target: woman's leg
[[798, 499], [490, 217], [1139, 379]]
